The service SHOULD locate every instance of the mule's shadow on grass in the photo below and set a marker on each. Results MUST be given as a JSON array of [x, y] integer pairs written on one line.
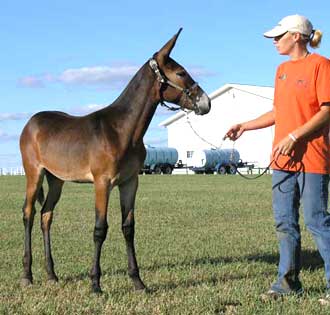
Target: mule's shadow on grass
[[76, 277], [310, 259], [171, 285]]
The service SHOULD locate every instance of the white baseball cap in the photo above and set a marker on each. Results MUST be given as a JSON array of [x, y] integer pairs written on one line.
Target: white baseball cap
[[291, 23]]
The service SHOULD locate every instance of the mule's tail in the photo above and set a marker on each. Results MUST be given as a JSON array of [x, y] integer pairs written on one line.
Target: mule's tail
[[41, 195]]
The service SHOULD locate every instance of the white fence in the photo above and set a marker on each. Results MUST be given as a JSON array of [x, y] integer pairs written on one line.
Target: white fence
[[242, 170], [12, 171], [184, 170]]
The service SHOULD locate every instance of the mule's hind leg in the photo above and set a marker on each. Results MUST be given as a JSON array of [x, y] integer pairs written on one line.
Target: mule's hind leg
[[34, 177], [102, 190], [127, 200], [53, 196]]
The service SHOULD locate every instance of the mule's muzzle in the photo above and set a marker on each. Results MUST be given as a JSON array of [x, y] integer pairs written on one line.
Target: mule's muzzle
[[202, 104]]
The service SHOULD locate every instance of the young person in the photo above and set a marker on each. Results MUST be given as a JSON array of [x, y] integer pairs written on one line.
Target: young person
[[301, 149]]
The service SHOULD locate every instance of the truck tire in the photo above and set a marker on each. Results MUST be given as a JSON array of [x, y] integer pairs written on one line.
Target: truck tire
[[232, 170], [222, 170], [157, 170], [167, 170]]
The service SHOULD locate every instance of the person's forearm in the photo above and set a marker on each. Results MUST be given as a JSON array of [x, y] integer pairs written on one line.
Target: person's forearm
[[263, 121]]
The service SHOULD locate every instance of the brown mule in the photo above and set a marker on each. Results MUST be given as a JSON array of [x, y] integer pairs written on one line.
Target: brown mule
[[105, 148]]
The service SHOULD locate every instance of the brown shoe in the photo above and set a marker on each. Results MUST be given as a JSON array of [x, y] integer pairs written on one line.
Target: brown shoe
[[271, 295]]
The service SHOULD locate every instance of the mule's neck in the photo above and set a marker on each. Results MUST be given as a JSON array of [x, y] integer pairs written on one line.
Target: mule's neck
[[137, 104]]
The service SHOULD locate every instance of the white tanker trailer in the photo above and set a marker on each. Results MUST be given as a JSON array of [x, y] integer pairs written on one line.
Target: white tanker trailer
[[159, 160], [221, 161]]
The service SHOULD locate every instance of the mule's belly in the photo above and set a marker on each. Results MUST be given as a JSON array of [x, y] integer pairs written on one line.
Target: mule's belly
[[69, 173], [74, 177], [84, 170], [67, 164]]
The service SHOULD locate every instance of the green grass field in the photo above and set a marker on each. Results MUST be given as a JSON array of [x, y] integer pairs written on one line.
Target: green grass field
[[205, 245]]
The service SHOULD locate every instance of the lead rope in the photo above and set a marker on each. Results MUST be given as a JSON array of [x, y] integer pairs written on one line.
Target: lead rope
[[218, 147], [231, 154], [245, 176], [259, 175]]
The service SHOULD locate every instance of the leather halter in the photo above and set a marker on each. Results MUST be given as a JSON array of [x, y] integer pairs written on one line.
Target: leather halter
[[187, 92]]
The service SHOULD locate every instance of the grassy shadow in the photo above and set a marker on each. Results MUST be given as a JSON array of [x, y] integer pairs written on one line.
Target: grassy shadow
[[310, 259]]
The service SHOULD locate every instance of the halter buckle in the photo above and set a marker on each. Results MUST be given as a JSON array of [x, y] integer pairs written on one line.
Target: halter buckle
[[154, 66]]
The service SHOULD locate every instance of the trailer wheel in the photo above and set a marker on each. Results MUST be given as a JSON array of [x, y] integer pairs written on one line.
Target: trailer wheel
[[167, 170], [232, 170], [157, 170], [222, 170]]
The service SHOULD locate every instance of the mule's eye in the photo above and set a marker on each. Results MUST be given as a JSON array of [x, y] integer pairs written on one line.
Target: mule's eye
[[181, 74]]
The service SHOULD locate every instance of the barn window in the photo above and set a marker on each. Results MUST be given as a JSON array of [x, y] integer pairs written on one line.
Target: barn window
[[190, 154]]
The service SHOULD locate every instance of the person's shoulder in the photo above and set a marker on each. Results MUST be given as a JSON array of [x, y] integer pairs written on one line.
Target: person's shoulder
[[319, 59], [283, 64]]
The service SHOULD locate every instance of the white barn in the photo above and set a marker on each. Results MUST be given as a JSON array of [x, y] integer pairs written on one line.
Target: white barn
[[231, 104]]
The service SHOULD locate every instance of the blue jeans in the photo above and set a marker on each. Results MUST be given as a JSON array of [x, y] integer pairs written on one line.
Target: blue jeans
[[289, 188]]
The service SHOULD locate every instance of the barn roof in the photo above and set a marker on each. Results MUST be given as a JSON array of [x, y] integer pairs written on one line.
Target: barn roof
[[259, 91]]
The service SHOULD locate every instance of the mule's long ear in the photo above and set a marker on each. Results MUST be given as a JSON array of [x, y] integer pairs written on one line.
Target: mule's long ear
[[164, 53]]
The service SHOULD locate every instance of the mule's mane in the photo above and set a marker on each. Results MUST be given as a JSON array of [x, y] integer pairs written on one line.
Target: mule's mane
[[135, 106]]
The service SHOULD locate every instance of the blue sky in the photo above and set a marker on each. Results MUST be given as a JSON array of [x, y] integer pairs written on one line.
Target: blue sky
[[77, 56]]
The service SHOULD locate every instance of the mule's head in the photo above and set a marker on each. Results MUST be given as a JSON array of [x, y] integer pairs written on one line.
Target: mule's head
[[177, 86]]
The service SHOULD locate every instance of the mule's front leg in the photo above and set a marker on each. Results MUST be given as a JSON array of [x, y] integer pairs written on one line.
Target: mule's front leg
[[127, 201], [100, 230]]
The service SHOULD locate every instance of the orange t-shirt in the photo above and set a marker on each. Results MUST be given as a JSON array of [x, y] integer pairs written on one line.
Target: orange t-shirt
[[301, 87]]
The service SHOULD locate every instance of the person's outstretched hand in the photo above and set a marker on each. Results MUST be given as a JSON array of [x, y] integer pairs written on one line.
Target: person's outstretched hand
[[234, 132]]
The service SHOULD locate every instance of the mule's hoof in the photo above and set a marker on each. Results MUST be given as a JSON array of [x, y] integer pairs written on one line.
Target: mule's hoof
[[138, 284], [25, 282], [52, 278], [52, 281], [144, 290], [96, 290], [140, 287]]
